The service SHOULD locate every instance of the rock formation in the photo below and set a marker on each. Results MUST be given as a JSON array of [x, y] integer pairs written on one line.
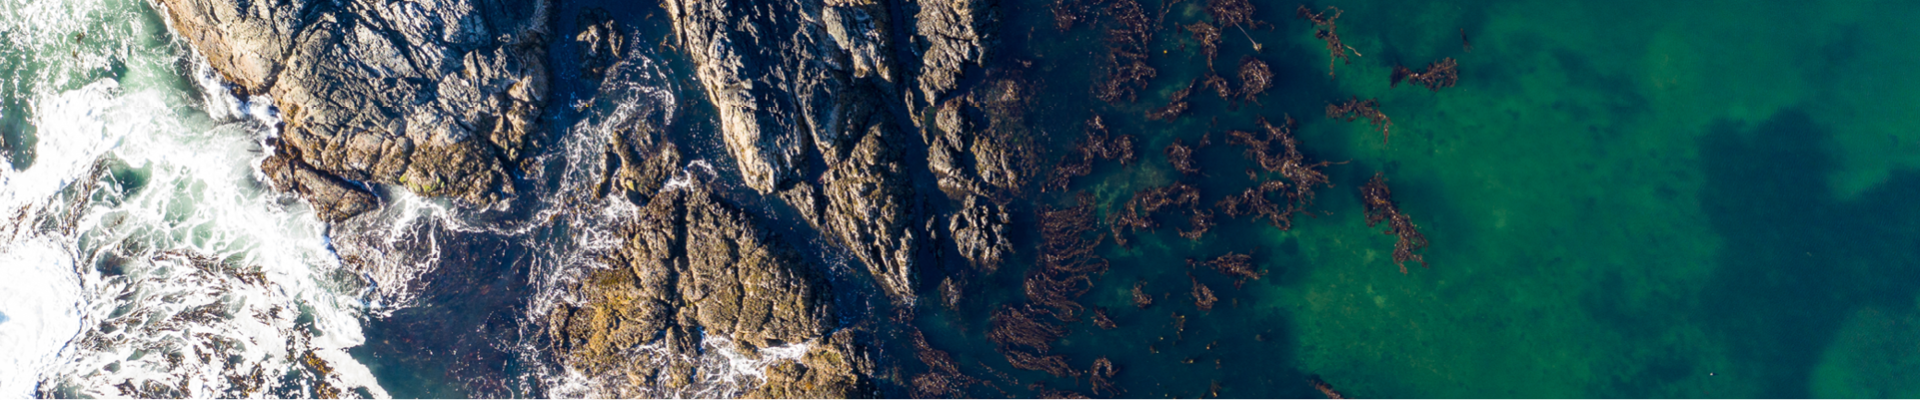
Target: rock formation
[[438, 96], [693, 266], [783, 74]]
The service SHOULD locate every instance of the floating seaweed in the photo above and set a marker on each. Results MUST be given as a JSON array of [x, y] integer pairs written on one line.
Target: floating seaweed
[[1439, 74], [1127, 50], [1023, 325], [1101, 319], [1237, 265], [943, 377], [1324, 30], [1176, 105], [1276, 151], [1254, 201], [1140, 297], [1067, 12], [1220, 87], [1255, 77], [1100, 376], [1209, 38], [1381, 207], [1198, 222], [1181, 156], [1356, 108], [1138, 212], [1203, 296], [1097, 144], [1050, 363], [1323, 387], [1235, 13]]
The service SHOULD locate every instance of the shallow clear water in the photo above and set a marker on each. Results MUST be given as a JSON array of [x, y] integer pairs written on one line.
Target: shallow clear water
[[1624, 199]]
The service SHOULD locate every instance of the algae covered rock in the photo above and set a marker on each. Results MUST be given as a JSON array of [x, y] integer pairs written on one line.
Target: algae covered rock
[[872, 208], [691, 266]]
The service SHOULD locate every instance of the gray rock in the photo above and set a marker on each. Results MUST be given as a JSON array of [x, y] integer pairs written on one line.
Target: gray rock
[[435, 95], [979, 229], [333, 199], [780, 73], [952, 34]]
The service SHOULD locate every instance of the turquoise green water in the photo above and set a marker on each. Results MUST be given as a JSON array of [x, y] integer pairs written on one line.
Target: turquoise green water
[[1624, 199]]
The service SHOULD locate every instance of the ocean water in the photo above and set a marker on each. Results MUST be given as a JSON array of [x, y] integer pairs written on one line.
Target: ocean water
[[1623, 199]]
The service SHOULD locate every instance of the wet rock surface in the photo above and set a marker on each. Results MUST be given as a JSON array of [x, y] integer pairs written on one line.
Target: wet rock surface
[[436, 96], [693, 266]]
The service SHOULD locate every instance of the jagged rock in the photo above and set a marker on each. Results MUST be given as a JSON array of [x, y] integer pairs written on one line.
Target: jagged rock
[[600, 41], [782, 73], [637, 171], [332, 198], [691, 266], [952, 34], [980, 231], [836, 369], [870, 206], [437, 95], [974, 158]]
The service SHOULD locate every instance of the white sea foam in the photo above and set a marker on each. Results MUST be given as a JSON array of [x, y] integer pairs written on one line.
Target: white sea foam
[[143, 253]]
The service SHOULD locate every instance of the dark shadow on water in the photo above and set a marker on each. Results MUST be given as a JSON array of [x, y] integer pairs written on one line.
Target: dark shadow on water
[[1796, 260], [455, 341]]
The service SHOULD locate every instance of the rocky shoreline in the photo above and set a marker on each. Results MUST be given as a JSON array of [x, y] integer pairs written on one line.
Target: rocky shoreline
[[820, 104]]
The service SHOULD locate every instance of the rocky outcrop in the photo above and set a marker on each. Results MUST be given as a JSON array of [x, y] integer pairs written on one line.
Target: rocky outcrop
[[980, 144], [979, 229], [436, 95], [952, 34], [332, 199], [783, 73], [872, 208], [834, 369], [694, 266]]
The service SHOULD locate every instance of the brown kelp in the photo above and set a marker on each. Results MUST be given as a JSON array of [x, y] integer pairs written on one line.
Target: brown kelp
[[1203, 296], [1275, 149], [1237, 14], [1100, 376], [1255, 78], [1127, 49], [1176, 104], [1323, 387], [1140, 297], [1356, 108], [1325, 30], [1209, 38], [1438, 74], [1381, 207], [1138, 212], [1237, 265], [1097, 144]]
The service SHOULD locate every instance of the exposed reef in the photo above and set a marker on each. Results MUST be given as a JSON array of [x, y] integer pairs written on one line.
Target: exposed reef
[[437, 96], [693, 266]]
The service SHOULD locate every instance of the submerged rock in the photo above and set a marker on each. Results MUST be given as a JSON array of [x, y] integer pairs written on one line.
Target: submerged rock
[[693, 266], [438, 96]]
